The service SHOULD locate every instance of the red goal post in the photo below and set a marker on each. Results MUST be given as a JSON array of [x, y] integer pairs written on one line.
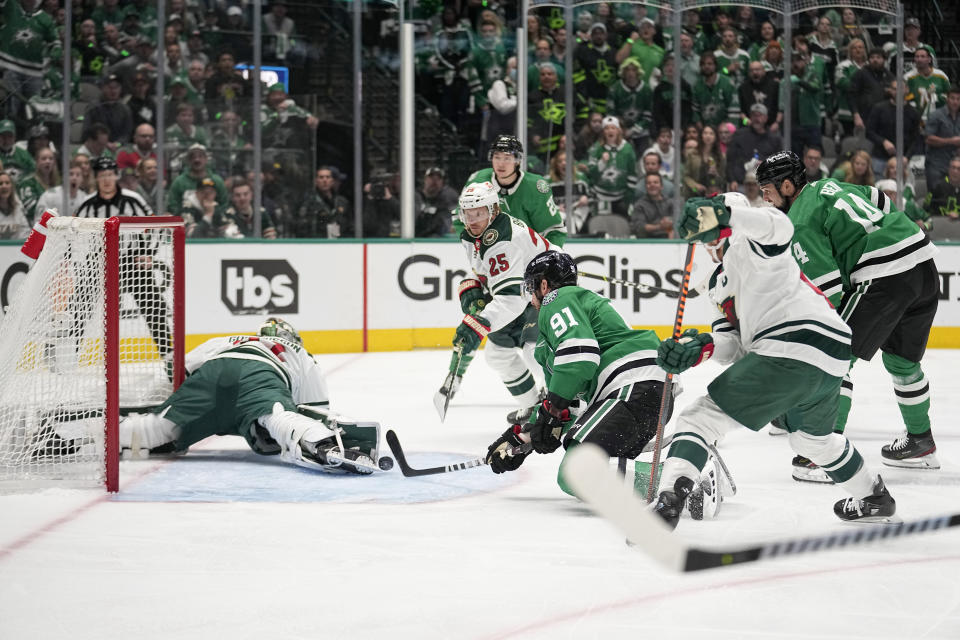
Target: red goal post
[[94, 330]]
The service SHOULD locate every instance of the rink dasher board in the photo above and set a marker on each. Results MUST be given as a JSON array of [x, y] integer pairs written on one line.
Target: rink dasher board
[[347, 296]]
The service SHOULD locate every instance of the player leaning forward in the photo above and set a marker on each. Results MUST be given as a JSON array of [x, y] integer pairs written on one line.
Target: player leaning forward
[[266, 388], [588, 353], [498, 248], [789, 352], [876, 266]]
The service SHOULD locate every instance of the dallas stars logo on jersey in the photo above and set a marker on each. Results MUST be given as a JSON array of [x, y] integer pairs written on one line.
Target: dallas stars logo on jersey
[[553, 111]]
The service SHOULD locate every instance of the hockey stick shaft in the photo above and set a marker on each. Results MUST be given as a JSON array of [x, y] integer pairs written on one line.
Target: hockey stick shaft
[[699, 559], [410, 472], [588, 471], [628, 283], [666, 399]]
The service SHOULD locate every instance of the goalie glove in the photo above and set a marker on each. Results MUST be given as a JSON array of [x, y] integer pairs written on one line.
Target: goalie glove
[[676, 356], [703, 219], [546, 431], [471, 332], [504, 454]]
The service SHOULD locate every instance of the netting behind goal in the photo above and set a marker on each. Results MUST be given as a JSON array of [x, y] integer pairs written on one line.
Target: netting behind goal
[[95, 328]]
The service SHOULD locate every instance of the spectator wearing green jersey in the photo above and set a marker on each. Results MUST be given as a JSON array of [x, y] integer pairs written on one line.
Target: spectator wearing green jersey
[[731, 59], [714, 97], [640, 45], [611, 170], [631, 100], [15, 160], [927, 86]]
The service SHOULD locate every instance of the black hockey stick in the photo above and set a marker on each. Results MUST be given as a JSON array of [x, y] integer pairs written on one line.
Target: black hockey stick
[[588, 471], [629, 283], [666, 399], [410, 472]]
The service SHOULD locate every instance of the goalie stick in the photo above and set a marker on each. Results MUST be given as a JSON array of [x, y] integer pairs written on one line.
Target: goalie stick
[[410, 472], [588, 472]]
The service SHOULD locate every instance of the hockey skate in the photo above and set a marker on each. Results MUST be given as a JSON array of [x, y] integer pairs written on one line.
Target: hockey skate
[[522, 415], [806, 471], [911, 451], [776, 428], [670, 504], [877, 507]]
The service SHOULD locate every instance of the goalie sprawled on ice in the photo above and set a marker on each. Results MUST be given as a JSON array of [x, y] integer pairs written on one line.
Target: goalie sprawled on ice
[[266, 388]]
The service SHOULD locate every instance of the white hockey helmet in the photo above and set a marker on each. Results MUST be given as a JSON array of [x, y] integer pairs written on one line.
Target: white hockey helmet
[[279, 328], [479, 195]]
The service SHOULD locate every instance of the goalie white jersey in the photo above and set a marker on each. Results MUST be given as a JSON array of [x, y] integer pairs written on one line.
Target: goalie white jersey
[[766, 305], [291, 361]]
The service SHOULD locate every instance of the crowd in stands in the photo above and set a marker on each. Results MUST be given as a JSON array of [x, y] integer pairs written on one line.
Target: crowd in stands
[[732, 92], [733, 82], [206, 104]]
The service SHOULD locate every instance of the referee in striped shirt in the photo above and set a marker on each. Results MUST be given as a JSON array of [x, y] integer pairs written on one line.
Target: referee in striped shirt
[[110, 200], [137, 253]]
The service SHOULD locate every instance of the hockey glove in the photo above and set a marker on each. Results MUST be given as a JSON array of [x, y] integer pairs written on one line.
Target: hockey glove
[[504, 454], [702, 219], [546, 431], [471, 332], [676, 356], [472, 296]]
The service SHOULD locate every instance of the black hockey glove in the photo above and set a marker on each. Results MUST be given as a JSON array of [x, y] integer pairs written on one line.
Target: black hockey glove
[[504, 454], [702, 219], [545, 432]]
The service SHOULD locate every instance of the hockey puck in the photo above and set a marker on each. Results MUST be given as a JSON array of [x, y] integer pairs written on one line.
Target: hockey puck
[[385, 462]]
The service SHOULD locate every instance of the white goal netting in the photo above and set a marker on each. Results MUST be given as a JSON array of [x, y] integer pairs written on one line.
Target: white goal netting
[[55, 348]]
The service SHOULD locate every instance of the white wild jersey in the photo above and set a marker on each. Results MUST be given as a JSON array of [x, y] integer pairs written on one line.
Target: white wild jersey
[[766, 305], [290, 360], [499, 257]]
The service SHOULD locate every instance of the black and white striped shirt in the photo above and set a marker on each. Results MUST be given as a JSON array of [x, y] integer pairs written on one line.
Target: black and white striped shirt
[[124, 203]]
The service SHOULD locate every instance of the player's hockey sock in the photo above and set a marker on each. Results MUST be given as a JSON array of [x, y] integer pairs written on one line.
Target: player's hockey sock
[[843, 404], [912, 391]]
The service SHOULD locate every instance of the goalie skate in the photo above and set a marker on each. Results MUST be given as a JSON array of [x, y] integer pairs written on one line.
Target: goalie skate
[[329, 455]]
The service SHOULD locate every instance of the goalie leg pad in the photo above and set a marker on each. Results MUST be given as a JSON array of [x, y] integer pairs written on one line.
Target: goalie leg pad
[[140, 432]]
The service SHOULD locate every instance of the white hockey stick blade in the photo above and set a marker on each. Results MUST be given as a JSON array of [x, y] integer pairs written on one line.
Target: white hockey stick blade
[[588, 471]]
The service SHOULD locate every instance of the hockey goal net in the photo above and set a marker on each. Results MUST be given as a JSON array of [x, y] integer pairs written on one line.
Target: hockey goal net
[[96, 327]]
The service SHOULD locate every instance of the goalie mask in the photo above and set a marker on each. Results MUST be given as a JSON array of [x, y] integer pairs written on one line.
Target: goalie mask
[[279, 328], [479, 205]]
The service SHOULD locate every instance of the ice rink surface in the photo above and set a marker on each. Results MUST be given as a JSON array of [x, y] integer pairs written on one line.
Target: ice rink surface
[[225, 544]]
